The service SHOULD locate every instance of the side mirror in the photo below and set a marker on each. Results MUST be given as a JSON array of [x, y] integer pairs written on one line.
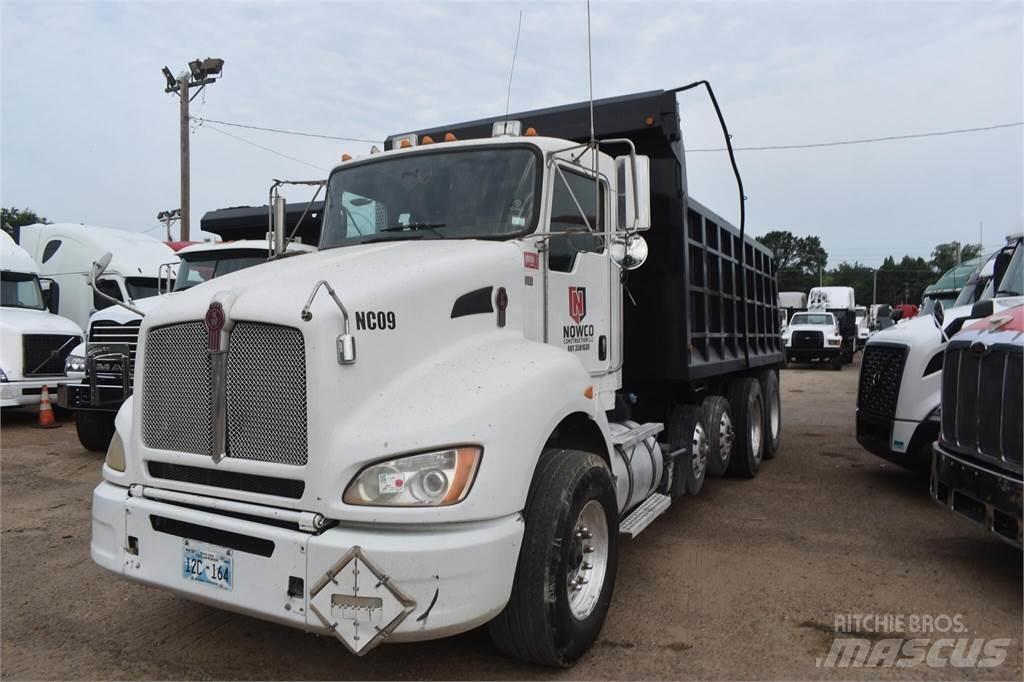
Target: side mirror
[[101, 265], [633, 177], [51, 295], [279, 226], [938, 313], [1002, 261], [628, 253]]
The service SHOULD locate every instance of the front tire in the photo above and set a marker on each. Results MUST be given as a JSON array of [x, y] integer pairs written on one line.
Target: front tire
[[95, 429], [567, 563], [747, 404]]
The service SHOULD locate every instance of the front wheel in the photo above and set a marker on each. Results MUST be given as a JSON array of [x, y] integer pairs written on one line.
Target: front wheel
[[95, 429], [567, 563]]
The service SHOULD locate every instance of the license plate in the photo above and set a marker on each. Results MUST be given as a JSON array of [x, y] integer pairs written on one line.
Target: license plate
[[207, 564]]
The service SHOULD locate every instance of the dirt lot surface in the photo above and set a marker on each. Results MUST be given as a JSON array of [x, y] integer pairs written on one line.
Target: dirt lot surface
[[743, 582]]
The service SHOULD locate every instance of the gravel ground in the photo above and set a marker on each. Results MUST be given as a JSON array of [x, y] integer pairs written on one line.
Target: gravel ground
[[743, 582]]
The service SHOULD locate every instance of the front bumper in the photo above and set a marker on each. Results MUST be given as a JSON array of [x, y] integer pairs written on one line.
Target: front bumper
[[902, 442], [27, 391], [452, 577], [989, 498], [80, 397], [809, 354]]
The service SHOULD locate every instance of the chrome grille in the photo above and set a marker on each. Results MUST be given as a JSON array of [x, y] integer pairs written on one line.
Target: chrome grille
[[104, 333], [881, 372], [267, 394], [176, 390], [981, 402]]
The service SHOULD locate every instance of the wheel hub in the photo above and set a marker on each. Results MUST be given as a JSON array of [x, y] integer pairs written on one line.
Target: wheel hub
[[588, 560], [726, 436], [699, 461]]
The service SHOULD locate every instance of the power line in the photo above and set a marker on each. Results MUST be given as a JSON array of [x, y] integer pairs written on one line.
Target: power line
[[281, 131], [259, 146], [865, 140]]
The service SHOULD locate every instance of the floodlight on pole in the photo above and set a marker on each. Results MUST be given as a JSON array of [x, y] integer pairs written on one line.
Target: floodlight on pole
[[200, 74]]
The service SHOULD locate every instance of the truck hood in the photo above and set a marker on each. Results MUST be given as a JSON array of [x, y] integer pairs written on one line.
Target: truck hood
[[116, 313], [824, 328], [372, 277]]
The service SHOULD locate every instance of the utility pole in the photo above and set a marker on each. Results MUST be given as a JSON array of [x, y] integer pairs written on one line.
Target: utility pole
[[957, 252], [874, 291], [200, 74]]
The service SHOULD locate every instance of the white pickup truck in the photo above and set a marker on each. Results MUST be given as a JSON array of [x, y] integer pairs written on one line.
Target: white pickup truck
[[814, 336]]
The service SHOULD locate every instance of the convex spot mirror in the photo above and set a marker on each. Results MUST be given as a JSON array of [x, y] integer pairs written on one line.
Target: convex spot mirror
[[628, 252], [101, 264]]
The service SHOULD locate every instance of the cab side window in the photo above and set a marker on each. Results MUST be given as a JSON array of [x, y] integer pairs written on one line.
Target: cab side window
[[50, 249], [110, 288], [566, 216]]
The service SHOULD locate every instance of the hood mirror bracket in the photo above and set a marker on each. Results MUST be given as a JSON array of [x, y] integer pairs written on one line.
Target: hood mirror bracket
[[346, 342]]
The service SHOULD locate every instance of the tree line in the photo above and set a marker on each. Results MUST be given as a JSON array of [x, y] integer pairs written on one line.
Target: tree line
[[800, 260]]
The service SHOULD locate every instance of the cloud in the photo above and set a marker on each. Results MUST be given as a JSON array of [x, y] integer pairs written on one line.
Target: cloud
[[88, 135]]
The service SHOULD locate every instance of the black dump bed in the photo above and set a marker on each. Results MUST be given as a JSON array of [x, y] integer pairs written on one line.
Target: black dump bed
[[691, 321], [253, 222]]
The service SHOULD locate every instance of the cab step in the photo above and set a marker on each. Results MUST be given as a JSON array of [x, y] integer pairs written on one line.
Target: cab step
[[641, 517]]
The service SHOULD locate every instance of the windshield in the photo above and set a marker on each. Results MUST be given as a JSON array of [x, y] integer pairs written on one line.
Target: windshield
[[199, 267], [142, 287], [21, 290], [811, 318], [484, 192], [1012, 283]]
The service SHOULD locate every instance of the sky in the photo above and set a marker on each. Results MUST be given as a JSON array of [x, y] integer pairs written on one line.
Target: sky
[[87, 133]]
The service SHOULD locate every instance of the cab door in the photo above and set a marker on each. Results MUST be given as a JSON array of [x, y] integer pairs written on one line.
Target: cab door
[[577, 276]]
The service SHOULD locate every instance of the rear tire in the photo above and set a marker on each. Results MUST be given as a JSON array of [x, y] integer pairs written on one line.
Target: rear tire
[[747, 405], [95, 429], [687, 429], [721, 433], [837, 362], [772, 412], [567, 563]]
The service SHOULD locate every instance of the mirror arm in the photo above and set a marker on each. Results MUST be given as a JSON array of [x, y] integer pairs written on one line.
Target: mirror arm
[[632, 163], [92, 281]]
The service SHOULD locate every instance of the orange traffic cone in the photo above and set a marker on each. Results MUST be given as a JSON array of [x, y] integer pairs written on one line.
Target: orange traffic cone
[[46, 419]]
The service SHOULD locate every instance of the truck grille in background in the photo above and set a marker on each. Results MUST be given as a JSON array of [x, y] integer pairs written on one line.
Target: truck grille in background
[[881, 371], [807, 339], [109, 332], [981, 403], [177, 392], [266, 392], [45, 353]]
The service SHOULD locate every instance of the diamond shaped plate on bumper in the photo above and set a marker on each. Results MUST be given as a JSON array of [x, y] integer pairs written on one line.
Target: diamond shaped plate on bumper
[[358, 602]]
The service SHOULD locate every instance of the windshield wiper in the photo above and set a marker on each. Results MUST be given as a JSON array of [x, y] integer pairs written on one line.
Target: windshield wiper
[[415, 227]]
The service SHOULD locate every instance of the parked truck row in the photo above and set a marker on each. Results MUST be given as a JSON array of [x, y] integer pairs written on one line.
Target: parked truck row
[[519, 341]]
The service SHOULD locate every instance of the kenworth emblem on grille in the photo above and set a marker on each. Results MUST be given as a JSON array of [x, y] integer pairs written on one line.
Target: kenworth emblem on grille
[[214, 321], [214, 325]]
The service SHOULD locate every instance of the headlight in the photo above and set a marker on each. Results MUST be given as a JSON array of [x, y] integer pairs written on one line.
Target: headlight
[[432, 479], [834, 342], [74, 363], [115, 453]]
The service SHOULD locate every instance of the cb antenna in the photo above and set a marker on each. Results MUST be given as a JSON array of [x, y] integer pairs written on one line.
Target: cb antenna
[[590, 76], [515, 51]]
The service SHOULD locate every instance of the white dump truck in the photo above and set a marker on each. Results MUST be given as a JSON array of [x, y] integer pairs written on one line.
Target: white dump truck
[[35, 342], [452, 413]]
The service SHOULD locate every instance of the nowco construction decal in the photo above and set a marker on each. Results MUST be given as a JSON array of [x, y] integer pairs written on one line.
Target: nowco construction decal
[[577, 337]]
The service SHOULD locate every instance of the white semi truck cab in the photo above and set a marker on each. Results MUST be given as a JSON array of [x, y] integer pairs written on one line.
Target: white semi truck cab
[[899, 391], [452, 413], [35, 342]]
